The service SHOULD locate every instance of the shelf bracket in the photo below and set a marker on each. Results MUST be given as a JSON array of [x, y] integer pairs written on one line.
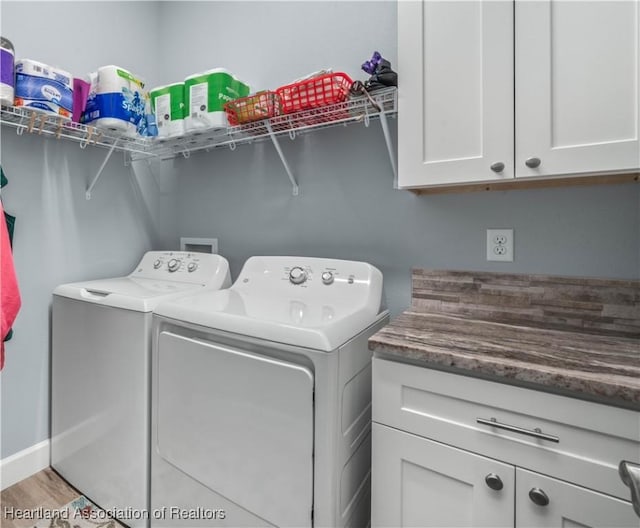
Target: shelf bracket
[[387, 139], [294, 184], [97, 176]]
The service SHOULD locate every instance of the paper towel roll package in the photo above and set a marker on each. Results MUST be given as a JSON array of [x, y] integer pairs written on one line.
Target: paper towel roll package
[[167, 103], [205, 94], [7, 72], [43, 88], [116, 101]]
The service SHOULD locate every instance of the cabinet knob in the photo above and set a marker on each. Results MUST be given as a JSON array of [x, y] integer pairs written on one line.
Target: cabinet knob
[[498, 166], [494, 481], [630, 475], [538, 497], [532, 163]]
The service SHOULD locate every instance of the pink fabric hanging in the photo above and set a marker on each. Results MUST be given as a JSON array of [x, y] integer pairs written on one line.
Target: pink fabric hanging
[[9, 293]]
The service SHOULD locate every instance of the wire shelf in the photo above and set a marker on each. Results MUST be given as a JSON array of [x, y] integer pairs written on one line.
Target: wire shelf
[[355, 110], [48, 125]]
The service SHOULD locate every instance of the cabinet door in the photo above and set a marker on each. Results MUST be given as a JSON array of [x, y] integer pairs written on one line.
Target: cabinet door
[[455, 106], [569, 505], [418, 482], [577, 66]]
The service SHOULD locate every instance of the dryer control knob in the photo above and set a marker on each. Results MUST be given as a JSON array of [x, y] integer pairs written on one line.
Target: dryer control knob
[[327, 277], [193, 266], [157, 264], [173, 265], [297, 275]]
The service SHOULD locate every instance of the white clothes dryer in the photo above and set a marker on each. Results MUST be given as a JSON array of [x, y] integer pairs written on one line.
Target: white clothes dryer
[[261, 398], [100, 391]]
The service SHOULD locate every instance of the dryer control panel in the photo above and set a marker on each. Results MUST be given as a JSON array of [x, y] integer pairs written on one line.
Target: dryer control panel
[[323, 272], [181, 266], [327, 272], [330, 282]]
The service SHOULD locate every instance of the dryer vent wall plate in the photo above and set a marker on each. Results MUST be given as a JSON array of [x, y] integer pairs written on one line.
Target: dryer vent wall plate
[[199, 245]]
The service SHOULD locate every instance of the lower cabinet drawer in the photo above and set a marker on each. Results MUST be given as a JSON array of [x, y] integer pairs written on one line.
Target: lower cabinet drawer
[[563, 437]]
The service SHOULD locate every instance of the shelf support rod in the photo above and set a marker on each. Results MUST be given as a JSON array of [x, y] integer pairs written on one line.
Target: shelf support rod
[[387, 138], [97, 176], [276, 144]]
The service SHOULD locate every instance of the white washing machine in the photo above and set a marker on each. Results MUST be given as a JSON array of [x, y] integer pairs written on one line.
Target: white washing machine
[[100, 390], [261, 398]]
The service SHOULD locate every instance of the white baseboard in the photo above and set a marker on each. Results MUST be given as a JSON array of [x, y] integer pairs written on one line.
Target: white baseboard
[[24, 463]]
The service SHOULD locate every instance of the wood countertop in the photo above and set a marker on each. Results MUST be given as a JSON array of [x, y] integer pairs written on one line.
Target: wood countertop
[[596, 359]]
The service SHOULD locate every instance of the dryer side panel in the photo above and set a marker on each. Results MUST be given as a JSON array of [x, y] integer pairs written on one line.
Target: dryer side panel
[[240, 424]]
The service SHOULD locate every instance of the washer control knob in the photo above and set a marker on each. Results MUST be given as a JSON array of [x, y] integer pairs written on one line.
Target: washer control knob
[[327, 277], [297, 275], [157, 264], [173, 265], [193, 266]]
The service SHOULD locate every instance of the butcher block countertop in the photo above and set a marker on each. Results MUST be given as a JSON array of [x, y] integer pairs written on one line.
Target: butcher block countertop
[[575, 336]]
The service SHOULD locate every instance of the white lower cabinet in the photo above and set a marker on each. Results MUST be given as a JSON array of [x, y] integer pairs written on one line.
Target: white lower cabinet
[[417, 482], [428, 484], [568, 505], [455, 451]]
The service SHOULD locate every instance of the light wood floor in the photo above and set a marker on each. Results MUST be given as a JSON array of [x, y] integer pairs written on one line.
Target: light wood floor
[[46, 489]]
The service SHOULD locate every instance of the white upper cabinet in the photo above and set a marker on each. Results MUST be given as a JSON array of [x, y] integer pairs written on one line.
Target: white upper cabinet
[[544, 87], [577, 72], [455, 96]]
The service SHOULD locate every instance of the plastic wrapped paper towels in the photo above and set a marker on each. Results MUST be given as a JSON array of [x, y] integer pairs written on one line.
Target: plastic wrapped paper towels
[[205, 96], [167, 103], [117, 101], [43, 88]]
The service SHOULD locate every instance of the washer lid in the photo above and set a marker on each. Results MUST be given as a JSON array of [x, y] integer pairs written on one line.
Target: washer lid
[[265, 303], [159, 275], [140, 295]]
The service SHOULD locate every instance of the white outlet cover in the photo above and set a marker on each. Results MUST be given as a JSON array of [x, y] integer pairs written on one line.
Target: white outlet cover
[[500, 245]]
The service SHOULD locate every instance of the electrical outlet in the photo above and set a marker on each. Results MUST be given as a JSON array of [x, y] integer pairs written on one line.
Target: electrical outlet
[[500, 245]]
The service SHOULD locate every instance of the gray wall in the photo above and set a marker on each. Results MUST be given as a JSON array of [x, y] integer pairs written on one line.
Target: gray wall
[[61, 237], [347, 207]]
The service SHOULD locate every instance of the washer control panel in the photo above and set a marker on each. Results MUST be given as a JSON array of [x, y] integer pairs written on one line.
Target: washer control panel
[[183, 266]]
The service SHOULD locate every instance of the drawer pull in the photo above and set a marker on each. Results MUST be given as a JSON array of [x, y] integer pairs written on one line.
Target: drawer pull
[[630, 475], [494, 481], [538, 497], [536, 433]]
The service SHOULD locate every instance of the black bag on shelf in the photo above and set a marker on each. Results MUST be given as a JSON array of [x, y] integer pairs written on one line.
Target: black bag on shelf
[[382, 76]]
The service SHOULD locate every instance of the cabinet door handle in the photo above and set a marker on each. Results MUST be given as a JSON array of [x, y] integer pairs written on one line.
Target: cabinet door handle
[[630, 475], [538, 497], [536, 433], [532, 163], [494, 481], [498, 166]]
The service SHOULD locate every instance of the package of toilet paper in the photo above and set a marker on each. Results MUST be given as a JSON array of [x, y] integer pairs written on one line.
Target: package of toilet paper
[[43, 88], [205, 94], [116, 101], [167, 103]]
